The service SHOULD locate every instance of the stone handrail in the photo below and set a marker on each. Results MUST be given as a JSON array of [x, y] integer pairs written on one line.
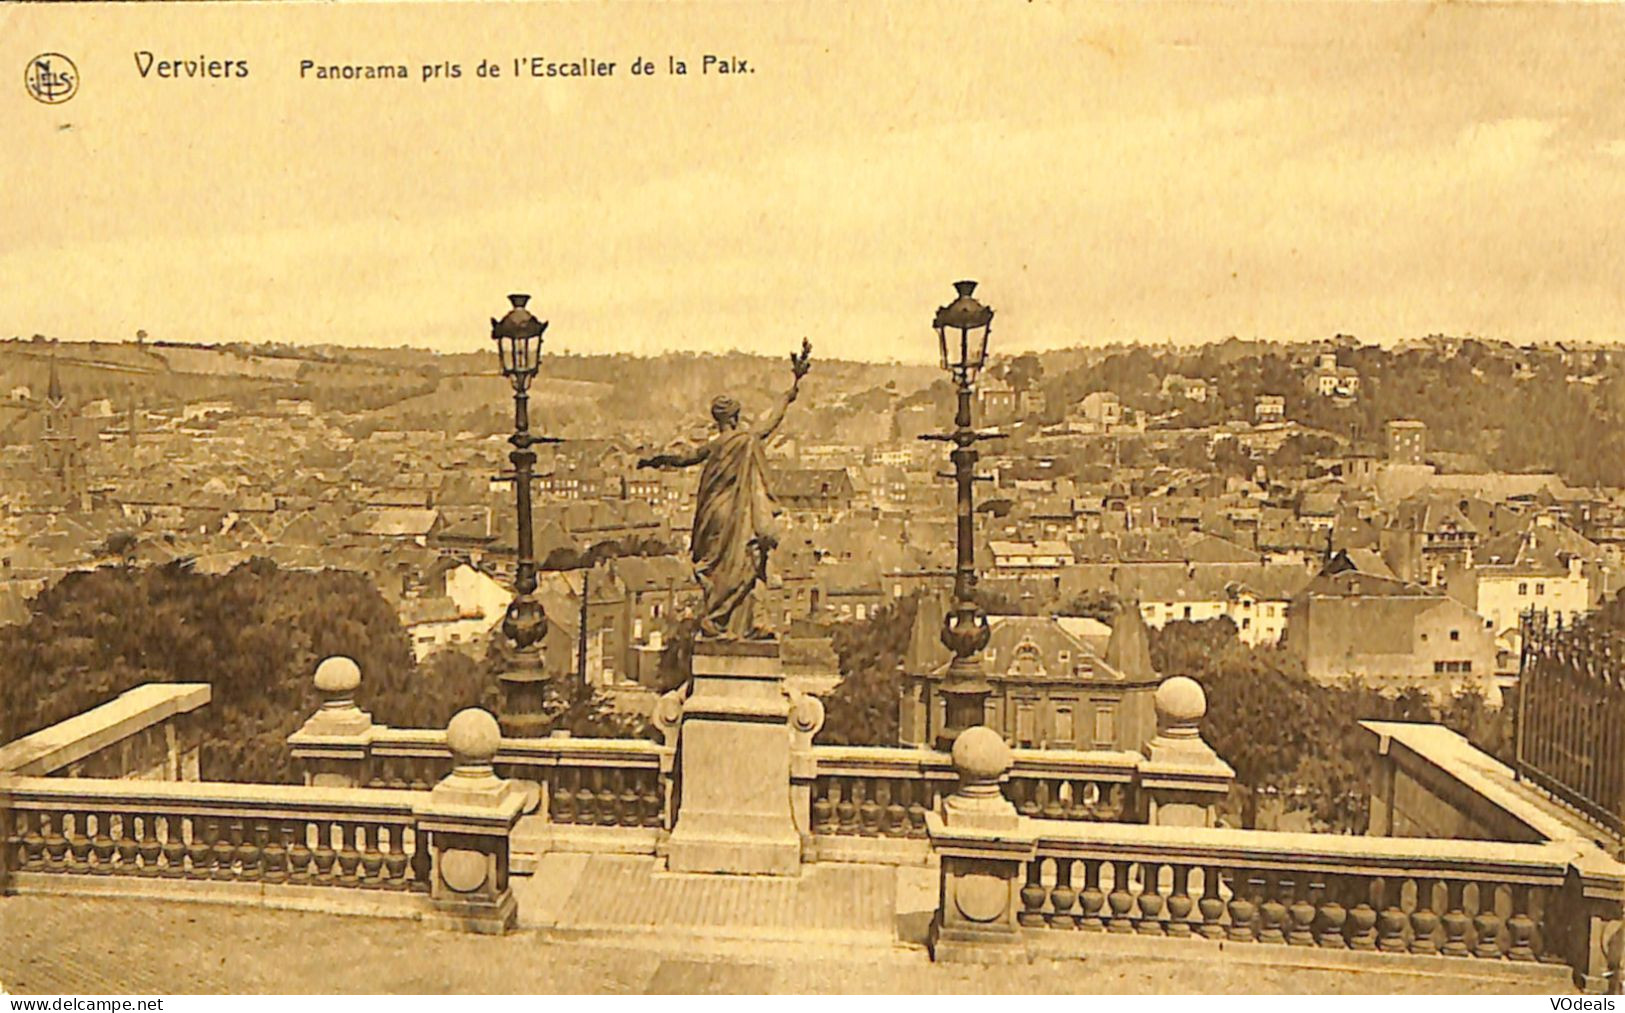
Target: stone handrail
[[134, 734], [885, 792], [215, 832], [595, 782], [1550, 902]]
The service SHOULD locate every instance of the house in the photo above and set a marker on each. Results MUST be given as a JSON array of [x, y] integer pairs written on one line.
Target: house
[[995, 398], [1513, 574], [1253, 596], [1328, 379], [1407, 441], [1103, 410], [1189, 388], [825, 492], [1057, 683], [1269, 409], [1390, 635], [1426, 538], [1012, 559]]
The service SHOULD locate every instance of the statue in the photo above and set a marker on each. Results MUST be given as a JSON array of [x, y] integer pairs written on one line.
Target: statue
[[735, 517]]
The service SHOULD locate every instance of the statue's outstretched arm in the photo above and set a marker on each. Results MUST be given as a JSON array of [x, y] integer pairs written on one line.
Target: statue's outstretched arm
[[682, 460], [799, 364]]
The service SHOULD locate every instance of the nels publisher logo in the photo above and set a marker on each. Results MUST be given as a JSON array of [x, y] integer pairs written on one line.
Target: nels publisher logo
[[51, 78]]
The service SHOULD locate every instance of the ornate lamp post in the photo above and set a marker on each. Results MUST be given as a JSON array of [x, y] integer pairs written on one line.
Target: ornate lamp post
[[518, 337], [962, 329]]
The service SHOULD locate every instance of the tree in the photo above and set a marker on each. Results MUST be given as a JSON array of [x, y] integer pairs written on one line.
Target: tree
[[863, 710]]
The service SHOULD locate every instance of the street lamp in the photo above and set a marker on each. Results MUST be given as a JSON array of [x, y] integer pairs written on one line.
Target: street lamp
[[518, 337], [962, 329]]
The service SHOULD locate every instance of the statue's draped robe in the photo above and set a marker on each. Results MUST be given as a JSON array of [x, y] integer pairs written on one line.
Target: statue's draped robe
[[734, 526]]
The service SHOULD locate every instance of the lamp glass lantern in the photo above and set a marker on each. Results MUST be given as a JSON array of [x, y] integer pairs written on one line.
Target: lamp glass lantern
[[962, 329], [519, 342]]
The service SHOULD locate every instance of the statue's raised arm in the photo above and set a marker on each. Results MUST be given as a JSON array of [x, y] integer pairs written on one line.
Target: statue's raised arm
[[800, 363]]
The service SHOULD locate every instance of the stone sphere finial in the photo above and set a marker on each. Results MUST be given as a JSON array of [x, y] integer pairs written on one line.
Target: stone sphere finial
[[1181, 703], [337, 678], [981, 756], [473, 737]]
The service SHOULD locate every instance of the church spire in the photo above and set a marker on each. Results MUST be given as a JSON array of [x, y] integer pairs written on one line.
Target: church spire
[[1129, 649], [53, 388]]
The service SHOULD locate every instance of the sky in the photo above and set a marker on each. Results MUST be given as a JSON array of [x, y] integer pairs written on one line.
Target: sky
[[1154, 172]]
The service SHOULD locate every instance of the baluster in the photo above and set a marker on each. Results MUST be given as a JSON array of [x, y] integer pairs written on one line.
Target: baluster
[[325, 856], [275, 852], [651, 799], [1120, 900], [897, 824], [1063, 898], [398, 769], [395, 860], [565, 781], [1211, 905], [1455, 920], [1092, 898], [1033, 895], [225, 851], [1070, 809], [586, 809], [54, 827], [200, 849], [1362, 916], [1424, 918], [1487, 924], [823, 809], [372, 856], [126, 848], [607, 797], [1330, 914], [1150, 900], [1243, 907], [149, 847], [846, 807], [421, 770], [1301, 913], [631, 810], [1521, 926], [251, 851], [79, 843], [299, 854], [1392, 921], [33, 840], [420, 860], [919, 796], [1053, 809], [1180, 903], [349, 854], [869, 809], [102, 845], [1272, 913], [1027, 790]]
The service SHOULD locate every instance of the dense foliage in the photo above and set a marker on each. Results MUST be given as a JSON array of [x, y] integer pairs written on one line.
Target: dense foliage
[[256, 635], [1291, 737], [863, 710]]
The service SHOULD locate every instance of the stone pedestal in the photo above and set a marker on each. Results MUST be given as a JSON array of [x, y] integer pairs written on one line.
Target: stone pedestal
[[1182, 780], [734, 814], [469, 818], [333, 746], [984, 849]]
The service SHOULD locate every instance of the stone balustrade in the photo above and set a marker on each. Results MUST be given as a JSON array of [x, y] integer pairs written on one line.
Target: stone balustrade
[[440, 854], [1012, 884], [152, 732], [208, 832], [873, 791]]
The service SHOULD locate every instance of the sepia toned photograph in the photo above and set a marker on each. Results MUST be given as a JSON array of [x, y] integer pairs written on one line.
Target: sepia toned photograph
[[750, 498]]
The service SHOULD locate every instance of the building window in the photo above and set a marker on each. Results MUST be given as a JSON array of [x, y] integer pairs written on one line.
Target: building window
[[1448, 667], [1540, 588], [1455, 634], [1105, 725], [1246, 622], [1026, 732], [1065, 733], [1523, 588], [1187, 611]]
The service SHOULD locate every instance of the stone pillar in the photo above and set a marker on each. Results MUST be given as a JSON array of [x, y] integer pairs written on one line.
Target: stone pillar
[[1588, 922], [734, 756], [1182, 780], [984, 847], [332, 746], [469, 818], [806, 718]]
